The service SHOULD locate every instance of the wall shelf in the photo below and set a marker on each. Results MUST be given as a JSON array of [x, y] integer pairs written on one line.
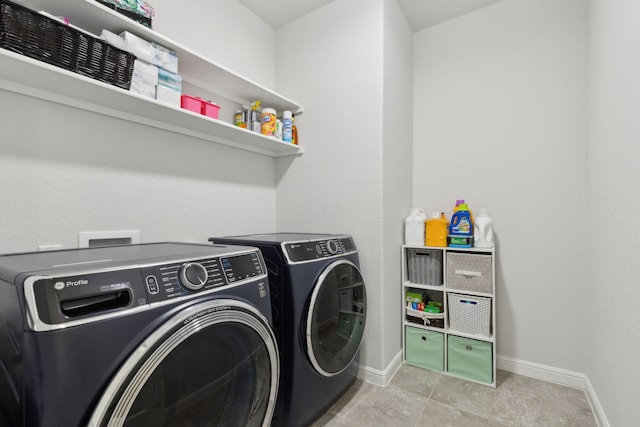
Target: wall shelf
[[26, 76]]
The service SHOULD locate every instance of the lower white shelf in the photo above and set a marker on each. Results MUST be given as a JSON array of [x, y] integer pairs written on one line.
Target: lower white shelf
[[27, 76]]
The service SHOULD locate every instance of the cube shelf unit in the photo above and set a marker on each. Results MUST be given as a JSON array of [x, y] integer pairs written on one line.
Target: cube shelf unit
[[461, 340]]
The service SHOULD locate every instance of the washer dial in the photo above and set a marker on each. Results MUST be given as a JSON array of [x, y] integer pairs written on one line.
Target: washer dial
[[193, 276], [332, 247]]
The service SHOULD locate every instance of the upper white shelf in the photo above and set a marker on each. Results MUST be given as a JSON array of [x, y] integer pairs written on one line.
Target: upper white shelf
[[25, 75]]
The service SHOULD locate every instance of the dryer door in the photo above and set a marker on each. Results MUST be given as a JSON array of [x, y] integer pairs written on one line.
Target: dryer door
[[336, 318], [213, 364]]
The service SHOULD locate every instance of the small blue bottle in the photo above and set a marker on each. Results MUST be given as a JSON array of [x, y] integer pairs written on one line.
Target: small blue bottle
[[287, 126]]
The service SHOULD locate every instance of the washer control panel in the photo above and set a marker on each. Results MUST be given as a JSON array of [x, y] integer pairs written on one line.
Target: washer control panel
[[75, 287], [168, 281], [317, 249]]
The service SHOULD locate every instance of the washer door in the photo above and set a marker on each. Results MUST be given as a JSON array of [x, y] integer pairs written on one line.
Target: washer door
[[213, 364], [336, 318]]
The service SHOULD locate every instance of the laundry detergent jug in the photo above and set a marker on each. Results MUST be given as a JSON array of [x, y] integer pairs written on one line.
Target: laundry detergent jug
[[461, 228], [483, 230], [436, 230], [414, 227]]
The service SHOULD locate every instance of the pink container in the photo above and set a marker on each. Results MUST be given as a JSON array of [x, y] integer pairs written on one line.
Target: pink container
[[191, 103], [200, 106], [210, 109]]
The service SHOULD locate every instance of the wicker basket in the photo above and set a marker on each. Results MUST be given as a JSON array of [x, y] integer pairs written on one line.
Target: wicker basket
[[29, 33], [470, 314]]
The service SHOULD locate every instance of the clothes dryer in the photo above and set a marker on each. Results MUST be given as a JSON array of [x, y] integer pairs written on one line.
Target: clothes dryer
[[165, 334], [319, 310]]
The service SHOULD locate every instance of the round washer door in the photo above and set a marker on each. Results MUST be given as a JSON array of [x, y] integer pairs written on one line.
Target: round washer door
[[213, 364], [336, 318]]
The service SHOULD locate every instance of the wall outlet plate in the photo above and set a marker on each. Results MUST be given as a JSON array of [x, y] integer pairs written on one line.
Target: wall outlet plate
[[92, 239]]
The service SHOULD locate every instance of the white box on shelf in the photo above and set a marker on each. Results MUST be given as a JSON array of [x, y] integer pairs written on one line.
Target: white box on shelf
[[169, 79], [168, 95], [150, 52]]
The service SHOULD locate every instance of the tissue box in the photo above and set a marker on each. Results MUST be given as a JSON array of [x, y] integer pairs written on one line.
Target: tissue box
[[142, 88], [168, 95], [169, 79], [144, 79], [165, 58], [150, 52], [146, 72], [113, 39]]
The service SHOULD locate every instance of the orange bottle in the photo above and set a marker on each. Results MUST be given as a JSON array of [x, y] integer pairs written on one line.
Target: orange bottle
[[436, 230], [294, 130]]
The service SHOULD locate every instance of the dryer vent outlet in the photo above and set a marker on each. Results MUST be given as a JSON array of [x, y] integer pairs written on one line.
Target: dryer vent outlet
[[93, 239]]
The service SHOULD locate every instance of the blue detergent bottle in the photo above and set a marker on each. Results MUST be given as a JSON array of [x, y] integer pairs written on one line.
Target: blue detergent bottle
[[461, 228]]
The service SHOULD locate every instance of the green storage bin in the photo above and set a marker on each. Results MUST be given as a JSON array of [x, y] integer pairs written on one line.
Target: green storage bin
[[469, 358], [424, 348]]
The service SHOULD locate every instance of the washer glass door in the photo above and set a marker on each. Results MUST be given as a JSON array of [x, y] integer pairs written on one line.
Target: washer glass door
[[336, 318], [211, 365]]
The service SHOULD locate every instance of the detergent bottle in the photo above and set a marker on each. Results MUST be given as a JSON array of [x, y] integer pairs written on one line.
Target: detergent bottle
[[483, 230], [436, 230], [414, 227], [461, 228]]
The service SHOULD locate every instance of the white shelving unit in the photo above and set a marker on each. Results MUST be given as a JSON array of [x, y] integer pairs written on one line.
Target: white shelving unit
[[24, 75], [437, 346]]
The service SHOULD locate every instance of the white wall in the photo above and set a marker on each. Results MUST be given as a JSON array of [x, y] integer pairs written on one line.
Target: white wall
[[331, 60], [224, 31], [397, 176], [64, 170], [614, 179], [500, 120]]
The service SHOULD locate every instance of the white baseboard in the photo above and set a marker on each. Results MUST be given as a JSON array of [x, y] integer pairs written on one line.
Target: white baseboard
[[378, 377], [596, 407], [541, 372], [558, 376], [521, 367]]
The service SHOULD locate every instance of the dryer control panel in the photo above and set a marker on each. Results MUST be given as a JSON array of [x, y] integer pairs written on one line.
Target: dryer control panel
[[318, 249]]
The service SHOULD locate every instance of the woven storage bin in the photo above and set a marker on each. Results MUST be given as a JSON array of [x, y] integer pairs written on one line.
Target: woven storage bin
[[29, 33], [469, 272], [470, 314], [425, 266]]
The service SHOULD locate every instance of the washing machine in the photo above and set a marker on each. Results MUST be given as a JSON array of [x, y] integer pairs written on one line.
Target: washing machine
[[162, 334], [319, 309]]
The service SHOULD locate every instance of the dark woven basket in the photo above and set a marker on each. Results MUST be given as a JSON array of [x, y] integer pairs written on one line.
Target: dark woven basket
[[131, 14], [29, 33]]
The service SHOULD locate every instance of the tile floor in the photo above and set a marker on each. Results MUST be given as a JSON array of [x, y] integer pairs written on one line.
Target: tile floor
[[421, 398]]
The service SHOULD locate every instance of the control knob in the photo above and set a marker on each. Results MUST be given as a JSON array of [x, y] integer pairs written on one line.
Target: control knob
[[332, 247], [193, 276]]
